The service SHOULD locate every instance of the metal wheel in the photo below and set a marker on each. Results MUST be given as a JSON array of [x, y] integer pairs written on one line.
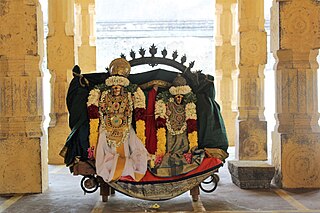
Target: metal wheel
[[89, 184], [206, 181], [214, 179]]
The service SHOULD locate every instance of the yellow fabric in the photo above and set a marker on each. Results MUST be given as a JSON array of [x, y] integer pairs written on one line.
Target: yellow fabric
[[138, 177], [120, 163]]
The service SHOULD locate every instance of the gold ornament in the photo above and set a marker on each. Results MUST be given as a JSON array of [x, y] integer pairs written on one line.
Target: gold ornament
[[120, 66]]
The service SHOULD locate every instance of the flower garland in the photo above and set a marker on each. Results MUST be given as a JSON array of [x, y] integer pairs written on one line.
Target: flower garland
[[180, 90], [93, 136], [140, 108], [117, 80], [160, 115], [161, 145], [92, 106]]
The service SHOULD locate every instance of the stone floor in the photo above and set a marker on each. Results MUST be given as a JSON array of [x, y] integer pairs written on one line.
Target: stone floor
[[65, 195]]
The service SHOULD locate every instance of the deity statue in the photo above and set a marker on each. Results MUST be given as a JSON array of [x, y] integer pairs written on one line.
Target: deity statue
[[119, 151], [176, 119]]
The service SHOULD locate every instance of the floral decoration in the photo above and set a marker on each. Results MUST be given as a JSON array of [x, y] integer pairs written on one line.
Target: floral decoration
[[140, 109], [193, 140], [91, 154], [158, 160], [180, 90], [192, 125], [117, 80], [188, 157], [94, 132], [160, 109], [139, 99], [94, 97], [93, 111], [162, 119], [161, 145], [140, 128]]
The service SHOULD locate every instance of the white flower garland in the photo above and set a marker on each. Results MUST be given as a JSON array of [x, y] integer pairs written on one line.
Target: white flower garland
[[94, 97], [160, 109], [117, 80], [180, 90], [191, 112], [139, 99]]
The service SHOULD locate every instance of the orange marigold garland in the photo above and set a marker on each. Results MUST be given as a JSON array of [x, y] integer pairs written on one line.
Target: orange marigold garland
[[140, 128], [93, 113], [93, 137], [161, 145]]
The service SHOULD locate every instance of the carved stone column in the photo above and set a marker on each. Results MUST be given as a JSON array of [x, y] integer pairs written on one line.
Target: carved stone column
[[251, 125], [296, 140], [225, 62], [22, 143], [85, 35], [60, 61]]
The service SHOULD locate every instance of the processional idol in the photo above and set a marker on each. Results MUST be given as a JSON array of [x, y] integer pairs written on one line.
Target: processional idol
[[152, 135]]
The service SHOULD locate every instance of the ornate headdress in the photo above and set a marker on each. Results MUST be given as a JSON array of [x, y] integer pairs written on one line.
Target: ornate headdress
[[120, 66], [119, 70], [180, 86]]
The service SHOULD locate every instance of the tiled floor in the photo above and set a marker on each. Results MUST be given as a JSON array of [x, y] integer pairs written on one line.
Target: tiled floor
[[65, 195]]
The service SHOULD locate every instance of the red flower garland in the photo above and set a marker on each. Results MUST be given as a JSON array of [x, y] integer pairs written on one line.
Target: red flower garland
[[93, 111], [191, 125], [161, 122], [139, 114]]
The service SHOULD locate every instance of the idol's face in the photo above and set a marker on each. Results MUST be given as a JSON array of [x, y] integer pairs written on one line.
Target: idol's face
[[178, 99], [116, 90]]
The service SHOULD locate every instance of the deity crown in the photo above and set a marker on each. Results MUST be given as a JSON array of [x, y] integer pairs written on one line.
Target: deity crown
[[120, 66], [179, 81], [180, 86]]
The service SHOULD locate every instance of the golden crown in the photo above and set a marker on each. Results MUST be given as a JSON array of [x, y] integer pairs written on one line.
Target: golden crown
[[120, 66]]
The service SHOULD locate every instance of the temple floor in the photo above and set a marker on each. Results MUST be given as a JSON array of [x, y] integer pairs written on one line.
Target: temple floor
[[65, 195]]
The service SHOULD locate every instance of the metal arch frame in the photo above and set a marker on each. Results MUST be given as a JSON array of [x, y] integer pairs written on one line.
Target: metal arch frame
[[154, 60]]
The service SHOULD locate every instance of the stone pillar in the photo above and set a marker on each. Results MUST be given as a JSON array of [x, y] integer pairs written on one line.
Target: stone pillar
[[22, 143], [225, 63], [60, 62], [85, 35], [295, 42], [251, 126]]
